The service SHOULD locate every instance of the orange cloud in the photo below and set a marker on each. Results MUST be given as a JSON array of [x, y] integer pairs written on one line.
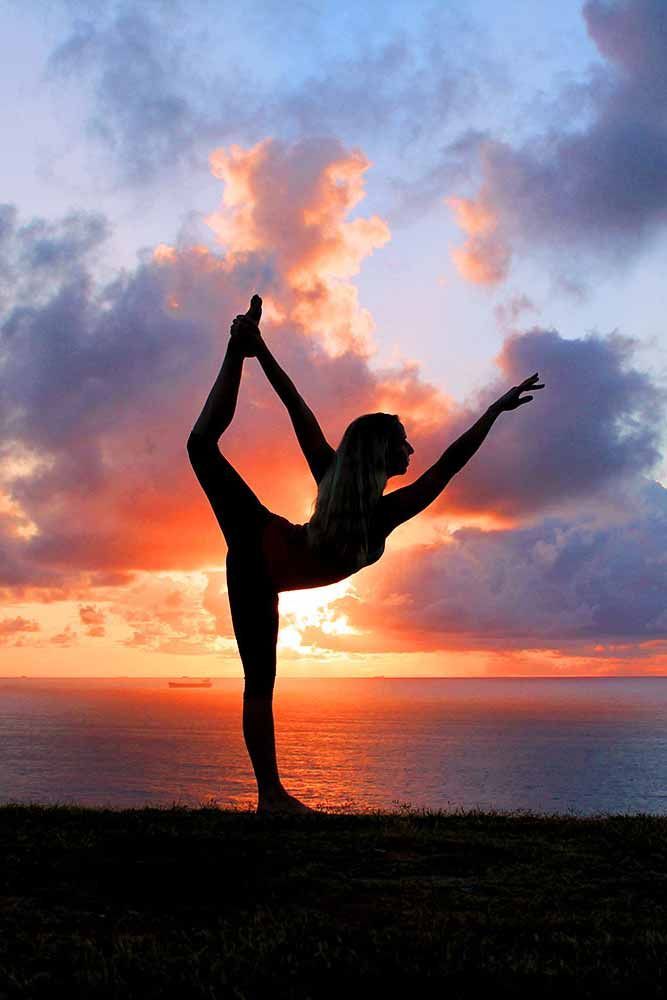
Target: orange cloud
[[294, 200], [13, 626], [484, 258]]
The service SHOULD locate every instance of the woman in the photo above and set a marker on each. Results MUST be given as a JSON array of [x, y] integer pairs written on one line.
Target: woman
[[268, 554]]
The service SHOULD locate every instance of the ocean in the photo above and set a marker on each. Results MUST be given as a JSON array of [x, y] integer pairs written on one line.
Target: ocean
[[580, 746]]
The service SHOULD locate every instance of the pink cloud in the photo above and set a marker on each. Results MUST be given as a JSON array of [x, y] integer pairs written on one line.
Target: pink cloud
[[293, 199], [484, 259]]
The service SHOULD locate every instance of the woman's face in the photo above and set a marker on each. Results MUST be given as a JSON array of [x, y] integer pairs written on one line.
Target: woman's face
[[399, 459]]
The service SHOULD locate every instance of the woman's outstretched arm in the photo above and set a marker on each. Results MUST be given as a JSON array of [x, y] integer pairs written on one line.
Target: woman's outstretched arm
[[403, 504]]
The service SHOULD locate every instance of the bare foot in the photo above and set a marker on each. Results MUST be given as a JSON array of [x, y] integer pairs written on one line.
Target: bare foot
[[283, 805], [246, 334]]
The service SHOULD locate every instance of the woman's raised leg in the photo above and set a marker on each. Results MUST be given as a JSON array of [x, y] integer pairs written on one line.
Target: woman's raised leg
[[238, 510], [218, 410]]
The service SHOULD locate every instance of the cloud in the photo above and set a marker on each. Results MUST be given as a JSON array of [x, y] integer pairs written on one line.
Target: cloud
[[144, 86], [294, 199], [507, 313], [90, 616], [105, 381], [596, 425], [12, 630], [414, 84], [632, 34], [68, 637], [104, 385], [560, 584], [165, 85], [485, 257], [596, 192], [94, 619], [36, 258]]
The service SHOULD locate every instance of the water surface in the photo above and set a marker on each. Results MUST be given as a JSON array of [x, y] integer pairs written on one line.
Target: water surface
[[583, 746]]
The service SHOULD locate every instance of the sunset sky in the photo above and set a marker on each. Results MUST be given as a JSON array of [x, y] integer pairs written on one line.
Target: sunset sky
[[434, 200]]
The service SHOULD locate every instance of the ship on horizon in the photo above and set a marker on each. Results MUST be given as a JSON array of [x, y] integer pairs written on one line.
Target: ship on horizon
[[192, 682]]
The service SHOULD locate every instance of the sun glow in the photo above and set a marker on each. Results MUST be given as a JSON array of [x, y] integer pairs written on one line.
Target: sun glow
[[302, 609]]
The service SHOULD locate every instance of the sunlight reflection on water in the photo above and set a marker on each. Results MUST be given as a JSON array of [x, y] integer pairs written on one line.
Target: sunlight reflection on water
[[584, 746]]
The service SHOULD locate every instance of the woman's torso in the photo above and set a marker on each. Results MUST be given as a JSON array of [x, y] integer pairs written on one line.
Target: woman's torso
[[293, 566]]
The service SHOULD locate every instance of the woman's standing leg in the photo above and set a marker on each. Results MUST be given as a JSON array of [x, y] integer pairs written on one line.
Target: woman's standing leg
[[259, 735], [260, 740], [254, 607]]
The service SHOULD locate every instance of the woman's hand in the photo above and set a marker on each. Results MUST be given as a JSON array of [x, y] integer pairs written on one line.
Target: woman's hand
[[245, 329], [512, 398]]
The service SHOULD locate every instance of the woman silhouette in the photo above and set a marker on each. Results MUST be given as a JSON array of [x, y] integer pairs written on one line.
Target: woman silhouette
[[267, 554]]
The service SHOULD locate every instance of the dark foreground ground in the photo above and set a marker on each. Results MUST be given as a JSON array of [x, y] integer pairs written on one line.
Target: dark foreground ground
[[162, 903]]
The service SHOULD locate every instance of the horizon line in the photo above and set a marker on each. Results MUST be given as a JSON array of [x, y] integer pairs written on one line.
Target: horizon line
[[338, 677]]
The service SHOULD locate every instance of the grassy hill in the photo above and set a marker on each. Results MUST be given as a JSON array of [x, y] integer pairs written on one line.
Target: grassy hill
[[205, 903]]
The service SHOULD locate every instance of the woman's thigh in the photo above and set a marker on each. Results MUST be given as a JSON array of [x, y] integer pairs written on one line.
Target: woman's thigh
[[253, 603], [253, 600], [239, 512]]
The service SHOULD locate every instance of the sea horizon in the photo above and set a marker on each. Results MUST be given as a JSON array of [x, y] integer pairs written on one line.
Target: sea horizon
[[346, 677]]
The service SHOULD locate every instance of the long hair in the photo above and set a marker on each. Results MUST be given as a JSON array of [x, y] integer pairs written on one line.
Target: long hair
[[338, 528]]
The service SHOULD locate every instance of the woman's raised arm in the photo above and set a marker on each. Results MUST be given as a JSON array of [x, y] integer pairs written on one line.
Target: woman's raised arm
[[245, 331], [402, 504], [315, 447]]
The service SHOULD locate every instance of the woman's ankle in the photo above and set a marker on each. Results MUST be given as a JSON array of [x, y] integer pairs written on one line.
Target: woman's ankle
[[272, 793]]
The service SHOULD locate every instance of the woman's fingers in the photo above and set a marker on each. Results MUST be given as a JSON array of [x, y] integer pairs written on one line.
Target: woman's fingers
[[530, 383], [513, 398], [245, 321], [244, 326]]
